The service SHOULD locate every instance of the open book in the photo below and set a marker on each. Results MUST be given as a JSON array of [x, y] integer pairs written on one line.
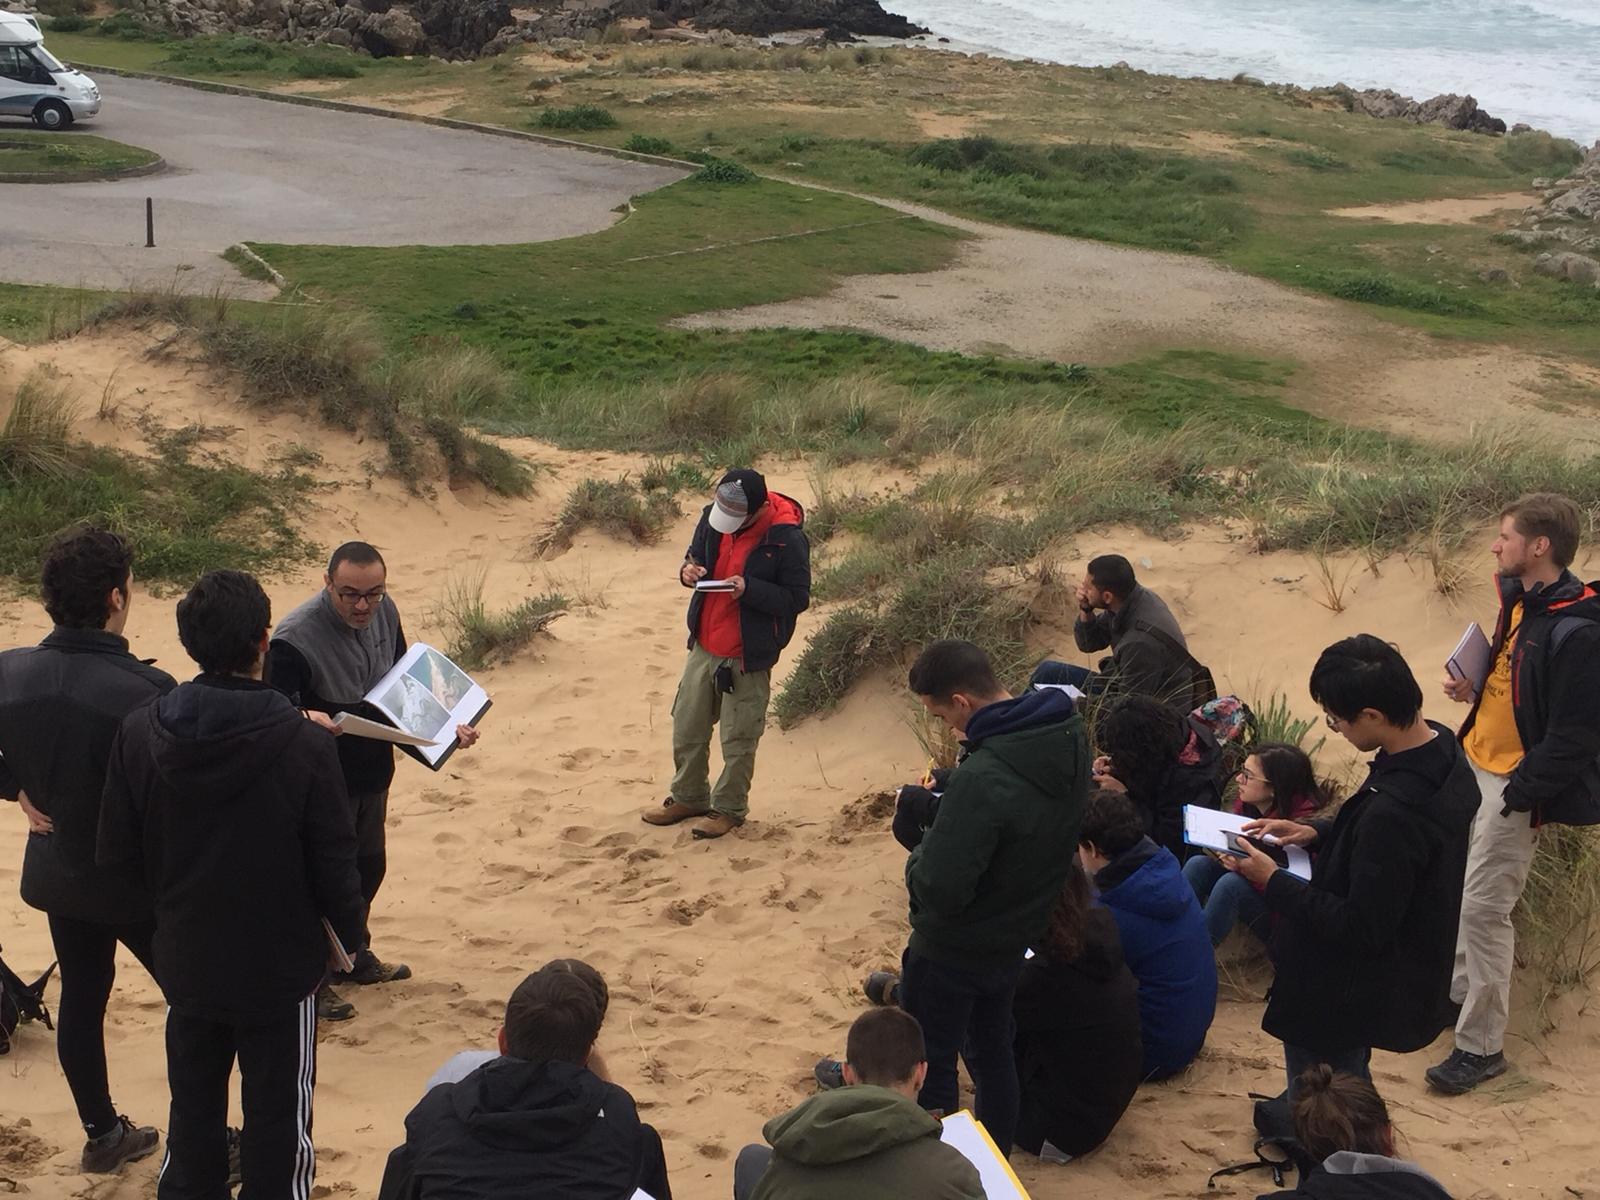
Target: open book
[[1469, 661], [424, 697], [1209, 829], [1000, 1182]]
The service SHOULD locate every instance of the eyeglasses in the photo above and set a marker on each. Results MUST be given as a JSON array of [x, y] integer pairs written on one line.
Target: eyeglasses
[[351, 596], [1247, 775], [1334, 722]]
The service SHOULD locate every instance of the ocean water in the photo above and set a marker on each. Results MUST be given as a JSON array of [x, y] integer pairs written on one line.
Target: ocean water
[[1524, 60]]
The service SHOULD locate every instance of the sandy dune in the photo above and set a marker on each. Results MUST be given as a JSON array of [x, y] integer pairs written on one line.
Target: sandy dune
[[733, 964], [1039, 295]]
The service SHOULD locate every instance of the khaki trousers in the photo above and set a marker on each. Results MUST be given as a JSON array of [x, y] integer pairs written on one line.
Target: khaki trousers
[[1497, 869], [742, 714]]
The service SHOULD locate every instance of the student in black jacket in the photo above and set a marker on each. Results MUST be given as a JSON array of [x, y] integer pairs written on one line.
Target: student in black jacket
[[1079, 1054], [535, 1122], [1364, 951], [61, 703], [1343, 1126], [232, 804]]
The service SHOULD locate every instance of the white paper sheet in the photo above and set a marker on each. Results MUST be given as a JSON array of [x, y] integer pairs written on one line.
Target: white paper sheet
[[713, 585], [1068, 688], [1208, 829], [1000, 1182], [427, 695], [361, 727]]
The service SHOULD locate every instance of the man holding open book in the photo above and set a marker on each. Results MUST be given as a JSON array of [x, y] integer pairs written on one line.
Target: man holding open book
[[1533, 739]]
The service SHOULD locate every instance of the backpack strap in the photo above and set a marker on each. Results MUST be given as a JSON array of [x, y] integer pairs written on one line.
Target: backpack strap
[[1279, 1167], [1202, 685]]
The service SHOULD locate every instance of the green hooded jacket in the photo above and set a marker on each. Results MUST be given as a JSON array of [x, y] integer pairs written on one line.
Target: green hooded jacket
[[863, 1143], [990, 868]]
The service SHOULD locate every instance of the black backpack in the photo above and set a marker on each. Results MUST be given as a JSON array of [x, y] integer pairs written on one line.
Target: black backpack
[[21, 1002]]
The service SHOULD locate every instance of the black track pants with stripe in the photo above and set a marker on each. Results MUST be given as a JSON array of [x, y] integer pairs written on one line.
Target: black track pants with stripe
[[278, 1071]]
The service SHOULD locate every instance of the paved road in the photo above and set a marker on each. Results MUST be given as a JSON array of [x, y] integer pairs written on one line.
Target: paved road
[[256, 170]]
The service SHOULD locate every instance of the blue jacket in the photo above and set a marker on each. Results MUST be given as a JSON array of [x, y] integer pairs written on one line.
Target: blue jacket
[[1165, 942]]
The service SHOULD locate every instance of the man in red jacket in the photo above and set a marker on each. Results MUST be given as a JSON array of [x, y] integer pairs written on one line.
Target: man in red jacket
[[750, 567]]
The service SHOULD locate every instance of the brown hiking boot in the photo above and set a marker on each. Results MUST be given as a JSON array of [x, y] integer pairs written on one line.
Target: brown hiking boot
[[716, 825], [670, 812], [124, 1144]]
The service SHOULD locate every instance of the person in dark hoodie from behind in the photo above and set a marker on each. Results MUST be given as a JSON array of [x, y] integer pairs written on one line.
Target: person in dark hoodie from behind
[[867, 1140], [1163, 931], [1080, 1055], [536, 1121], [1366, 949], [1343, 1125], [986, 874], [235, 807]]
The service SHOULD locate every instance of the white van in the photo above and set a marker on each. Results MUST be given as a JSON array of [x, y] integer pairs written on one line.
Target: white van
[[34, 83]]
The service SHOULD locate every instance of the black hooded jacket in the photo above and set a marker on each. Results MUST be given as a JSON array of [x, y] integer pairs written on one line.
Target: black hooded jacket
[[515, 1130], [234, 806], [1555, 700], [1079, 1053], [61, 704], [1347, 1175], [1366, 949]]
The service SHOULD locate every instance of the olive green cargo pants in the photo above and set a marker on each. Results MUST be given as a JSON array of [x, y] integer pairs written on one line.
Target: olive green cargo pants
[[742, 714]]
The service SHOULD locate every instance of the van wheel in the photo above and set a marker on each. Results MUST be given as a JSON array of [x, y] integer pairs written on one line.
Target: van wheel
[[52, 114]]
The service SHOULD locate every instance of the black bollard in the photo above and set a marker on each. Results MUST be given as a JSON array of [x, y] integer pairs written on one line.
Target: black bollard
[[149, 222]]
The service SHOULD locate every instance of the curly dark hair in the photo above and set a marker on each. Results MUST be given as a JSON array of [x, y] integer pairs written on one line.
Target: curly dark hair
[[1112, 823], [1143, 738], [82, 567], [223, 620]]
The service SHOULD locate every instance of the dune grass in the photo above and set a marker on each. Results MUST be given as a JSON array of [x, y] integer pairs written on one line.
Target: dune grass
[[479, 637]]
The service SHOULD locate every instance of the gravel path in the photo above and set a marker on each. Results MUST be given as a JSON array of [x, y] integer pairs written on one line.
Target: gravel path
[[259, 170]]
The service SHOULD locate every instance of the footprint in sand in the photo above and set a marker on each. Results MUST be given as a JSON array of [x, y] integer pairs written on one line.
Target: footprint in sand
[[581, 759]]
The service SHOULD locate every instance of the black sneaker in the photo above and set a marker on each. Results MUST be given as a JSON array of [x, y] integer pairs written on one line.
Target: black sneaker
[[1462, 1072], [368, 968], [830, 1074], [333, 1007], [124, 1144]]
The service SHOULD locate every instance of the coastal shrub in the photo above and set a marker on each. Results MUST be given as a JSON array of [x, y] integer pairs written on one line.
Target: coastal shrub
[[130, 28], [479, 637], [68, 22], [579, 116], [722, 170], [643, 143], [34, 441], [613, 506], [1538, 153], [1558, 916], [1374, 287], [325, 68]]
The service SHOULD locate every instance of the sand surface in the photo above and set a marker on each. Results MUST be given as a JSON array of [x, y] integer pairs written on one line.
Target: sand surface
[[1040, 295], [1461, 211], [733, 964]]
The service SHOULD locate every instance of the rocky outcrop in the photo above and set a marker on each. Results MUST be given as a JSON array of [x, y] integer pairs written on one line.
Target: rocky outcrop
[[467, 28], [1565, 224], [1450, 110]]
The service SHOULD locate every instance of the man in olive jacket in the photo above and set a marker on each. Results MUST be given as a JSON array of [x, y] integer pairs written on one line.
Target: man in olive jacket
[[988, 871], [869, 1140]]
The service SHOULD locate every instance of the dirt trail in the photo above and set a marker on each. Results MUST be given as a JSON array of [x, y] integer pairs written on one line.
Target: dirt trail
[[1040, 295]]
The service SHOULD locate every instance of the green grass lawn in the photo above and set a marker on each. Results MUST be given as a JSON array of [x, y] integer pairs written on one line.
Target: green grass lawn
[[34, 152]]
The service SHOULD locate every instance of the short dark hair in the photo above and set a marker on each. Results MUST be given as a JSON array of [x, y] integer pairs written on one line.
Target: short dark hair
[[1111, 823], [1366, 672], [1114, 574], [222, 620], [553, 1016], [1550, 515], [595, 981], [359, 554], [949, 666], [1334, 1111], [82, 566], [885, 1046]]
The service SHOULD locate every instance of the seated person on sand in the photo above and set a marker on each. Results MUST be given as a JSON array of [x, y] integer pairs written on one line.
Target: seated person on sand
[[1079, 1053], [867, 1140], [1162, 760], [1276, 780], [1149, 656], [534, 1121], [1163, 934], [458, 1066], [1343, 1126]]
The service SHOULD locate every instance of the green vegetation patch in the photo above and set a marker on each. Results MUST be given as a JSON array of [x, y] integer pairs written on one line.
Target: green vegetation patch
[[581, 116], [34, 152]]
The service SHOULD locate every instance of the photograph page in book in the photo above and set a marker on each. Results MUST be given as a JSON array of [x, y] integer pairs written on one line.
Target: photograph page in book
[[427, 696]]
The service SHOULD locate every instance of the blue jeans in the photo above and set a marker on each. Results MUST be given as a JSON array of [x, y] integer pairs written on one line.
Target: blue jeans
[[1082, 678], [967, 1013], [1296, 1059], [1227, 899]]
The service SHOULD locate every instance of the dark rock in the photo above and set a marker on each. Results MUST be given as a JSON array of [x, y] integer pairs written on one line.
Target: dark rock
[[838, 19], [457, 27], [1495, 275]]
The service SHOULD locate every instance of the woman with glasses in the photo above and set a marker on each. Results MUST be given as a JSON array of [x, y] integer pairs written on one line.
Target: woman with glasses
[[1277, 780]]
